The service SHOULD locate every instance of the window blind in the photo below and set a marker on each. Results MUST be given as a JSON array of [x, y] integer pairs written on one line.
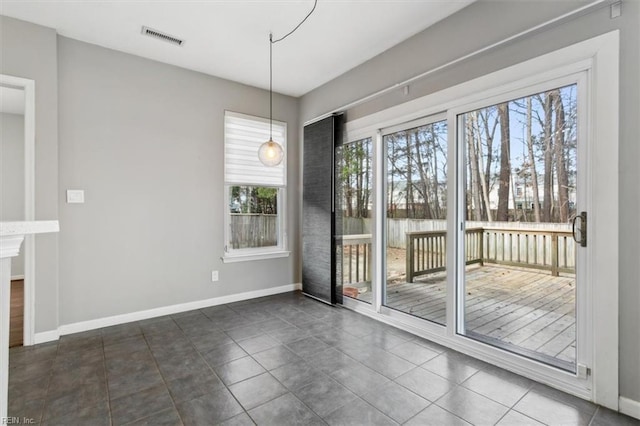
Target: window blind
[[243, 136]]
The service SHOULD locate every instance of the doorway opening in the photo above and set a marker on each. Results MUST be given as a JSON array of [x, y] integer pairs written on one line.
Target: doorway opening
[[21, 110], [16, 332]]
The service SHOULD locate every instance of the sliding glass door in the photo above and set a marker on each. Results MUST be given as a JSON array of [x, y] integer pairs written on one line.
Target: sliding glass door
[[354, 201], [482, 193], [416, 213], [520, 194]]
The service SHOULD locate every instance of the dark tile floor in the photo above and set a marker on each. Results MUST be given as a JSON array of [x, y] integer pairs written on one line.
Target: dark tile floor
[[281, 360]]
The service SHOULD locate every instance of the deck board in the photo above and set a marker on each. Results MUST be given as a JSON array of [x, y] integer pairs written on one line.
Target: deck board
[[530, 309]]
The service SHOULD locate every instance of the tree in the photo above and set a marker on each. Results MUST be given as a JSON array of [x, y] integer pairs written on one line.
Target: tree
[[266, 200], [354, 177], [547, 106], [490, 123], [409, 192], [505, 163], [436, 181], [532, 165], [473, 144], [560, 158]]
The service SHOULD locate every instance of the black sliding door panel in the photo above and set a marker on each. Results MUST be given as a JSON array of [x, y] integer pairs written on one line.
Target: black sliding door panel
[[318, 224]]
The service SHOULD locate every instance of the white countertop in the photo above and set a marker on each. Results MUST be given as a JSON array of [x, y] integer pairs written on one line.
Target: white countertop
[[24, 228]]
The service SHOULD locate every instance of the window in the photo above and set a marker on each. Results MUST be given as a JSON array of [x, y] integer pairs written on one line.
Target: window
[[255, 193]]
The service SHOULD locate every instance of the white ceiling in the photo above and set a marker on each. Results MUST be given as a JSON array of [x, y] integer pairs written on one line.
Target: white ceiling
[[11, 100], [230, 38]]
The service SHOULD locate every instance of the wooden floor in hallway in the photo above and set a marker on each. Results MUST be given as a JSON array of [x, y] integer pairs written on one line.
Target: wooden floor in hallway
[[17, 313]]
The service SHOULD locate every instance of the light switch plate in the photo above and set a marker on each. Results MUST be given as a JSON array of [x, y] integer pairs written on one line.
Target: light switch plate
[[75, 196]]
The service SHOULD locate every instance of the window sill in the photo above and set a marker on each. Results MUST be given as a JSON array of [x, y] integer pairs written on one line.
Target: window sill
[[248, 257]]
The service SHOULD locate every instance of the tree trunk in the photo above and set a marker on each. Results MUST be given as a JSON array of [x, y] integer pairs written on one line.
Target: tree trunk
[[348, 184], [548, 159], [422, 166], [505, 164], [561, 168], [359, 160], [409, 191], [489, 134], [367, 174], [436, 183], [512, 187], [473, 165], [532, 165]]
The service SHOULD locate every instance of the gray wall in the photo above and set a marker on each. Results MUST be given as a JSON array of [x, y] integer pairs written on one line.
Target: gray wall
[[480, 25], [12, 176], [145, 142], [30, 51]]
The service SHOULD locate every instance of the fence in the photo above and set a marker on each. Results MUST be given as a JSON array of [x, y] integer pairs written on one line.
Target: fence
[[253, 230], [355, 225], [531, 248], [397, 228]]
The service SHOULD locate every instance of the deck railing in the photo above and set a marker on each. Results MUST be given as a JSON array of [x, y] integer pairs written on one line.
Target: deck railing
[[356, 254], [550, 250], [537, 249], [532, 248], [427, 251]]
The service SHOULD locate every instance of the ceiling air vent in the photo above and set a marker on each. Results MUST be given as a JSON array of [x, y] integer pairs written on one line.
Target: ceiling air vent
[[162, 36]]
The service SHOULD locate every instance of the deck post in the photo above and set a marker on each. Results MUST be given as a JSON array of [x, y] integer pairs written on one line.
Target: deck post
[[481, 246], [409, 260], [369, 262], [554, 255]]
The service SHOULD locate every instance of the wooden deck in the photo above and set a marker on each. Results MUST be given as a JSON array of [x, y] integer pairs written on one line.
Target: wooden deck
[[523, 310]]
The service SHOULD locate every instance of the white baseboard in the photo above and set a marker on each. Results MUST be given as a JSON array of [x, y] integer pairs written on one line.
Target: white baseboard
[[629, 407], [17, 277], [79, 327], [46, 336]]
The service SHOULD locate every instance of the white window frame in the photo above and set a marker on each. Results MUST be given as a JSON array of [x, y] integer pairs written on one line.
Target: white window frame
[[258, 253], [598, 60]]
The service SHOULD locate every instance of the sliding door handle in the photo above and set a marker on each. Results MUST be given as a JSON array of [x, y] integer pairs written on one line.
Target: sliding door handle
[[580, 234]]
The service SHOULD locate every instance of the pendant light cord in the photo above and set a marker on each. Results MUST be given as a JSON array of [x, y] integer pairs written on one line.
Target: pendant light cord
[[297, 26], [270, 86], [271, 43]]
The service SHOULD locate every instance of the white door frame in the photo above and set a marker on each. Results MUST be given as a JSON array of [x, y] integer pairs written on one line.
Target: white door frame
[[599, 57], [29, 87]]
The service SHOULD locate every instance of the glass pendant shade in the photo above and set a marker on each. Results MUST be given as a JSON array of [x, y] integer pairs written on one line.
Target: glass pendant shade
[[270, 153]]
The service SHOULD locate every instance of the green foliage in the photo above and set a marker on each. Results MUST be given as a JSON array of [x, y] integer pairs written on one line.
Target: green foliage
[[251, 200]]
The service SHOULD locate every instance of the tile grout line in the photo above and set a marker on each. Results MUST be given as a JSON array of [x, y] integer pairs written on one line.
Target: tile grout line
[[106, 380], [155, 362], [513, 408], [446, 409], [593, 417], [214, 372], [46, 395]]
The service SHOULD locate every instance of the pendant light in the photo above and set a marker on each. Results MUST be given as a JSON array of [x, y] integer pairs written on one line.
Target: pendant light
[[271, 153]]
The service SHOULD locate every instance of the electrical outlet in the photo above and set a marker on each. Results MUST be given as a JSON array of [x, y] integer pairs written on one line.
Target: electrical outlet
[[214, 276]]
